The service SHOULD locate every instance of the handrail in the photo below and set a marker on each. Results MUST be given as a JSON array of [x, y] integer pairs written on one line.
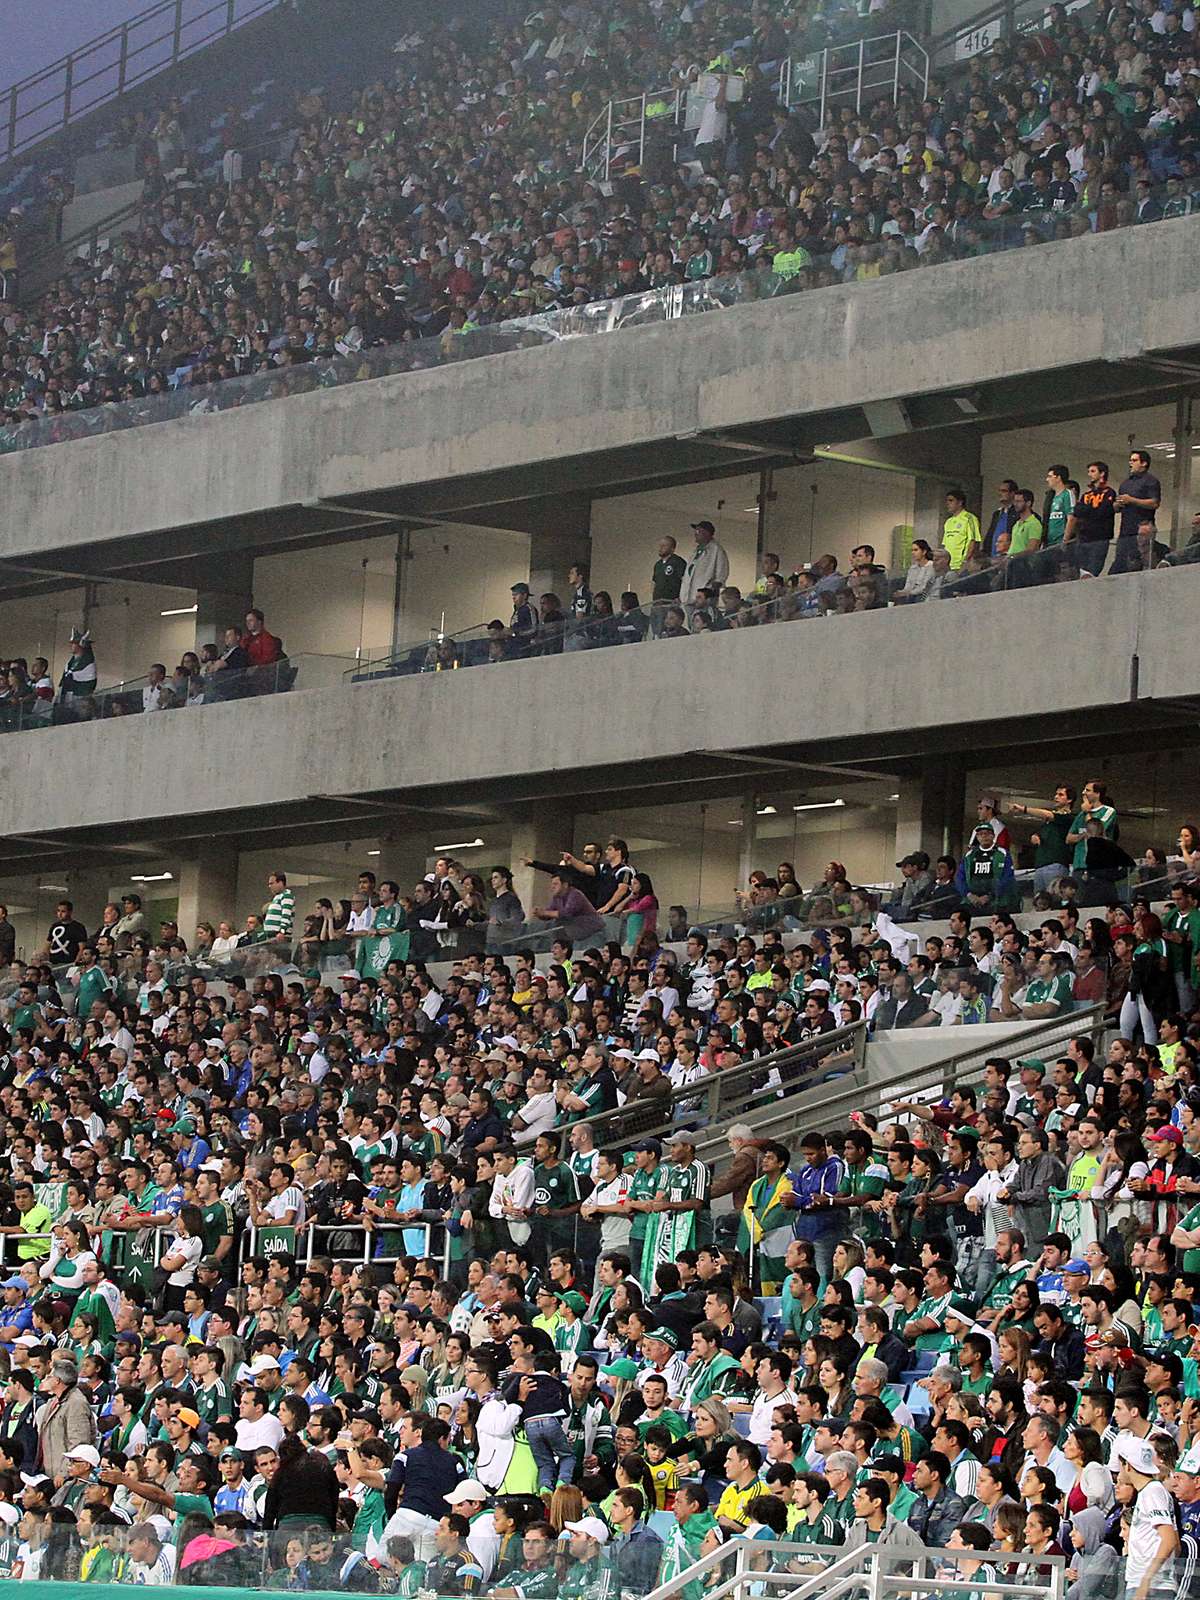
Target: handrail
[[715, 1087], [941, 1075], [888, 1569], [123, 69]]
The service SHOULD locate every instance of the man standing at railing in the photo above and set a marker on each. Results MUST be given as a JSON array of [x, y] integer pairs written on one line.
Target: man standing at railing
[[708, 566]]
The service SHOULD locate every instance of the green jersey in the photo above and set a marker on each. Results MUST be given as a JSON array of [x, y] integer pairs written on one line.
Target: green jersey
[[1061, 507], [646, 1186]]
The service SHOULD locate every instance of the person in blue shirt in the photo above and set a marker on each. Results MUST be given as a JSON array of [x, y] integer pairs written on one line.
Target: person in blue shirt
[[16, 1313]]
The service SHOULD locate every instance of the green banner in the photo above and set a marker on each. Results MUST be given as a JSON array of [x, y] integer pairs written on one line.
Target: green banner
[[275, 1241], [374, 954]]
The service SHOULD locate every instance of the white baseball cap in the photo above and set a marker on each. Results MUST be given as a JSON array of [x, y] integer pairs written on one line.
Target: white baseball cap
[[468, 1489], [84, 1452], [1138, 1454], [591, 1526]]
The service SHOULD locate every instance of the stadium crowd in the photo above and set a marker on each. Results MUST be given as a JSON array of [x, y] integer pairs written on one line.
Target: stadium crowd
[[412, 1286], [450, 198]]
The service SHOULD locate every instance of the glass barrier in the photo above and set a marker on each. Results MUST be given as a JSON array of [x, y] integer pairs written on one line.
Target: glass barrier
[[21, 711], [218, 1544], [303, 371]]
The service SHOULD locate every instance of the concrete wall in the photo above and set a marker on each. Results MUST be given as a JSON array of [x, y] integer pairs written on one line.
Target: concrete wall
[[1003, 315], [867, 675]]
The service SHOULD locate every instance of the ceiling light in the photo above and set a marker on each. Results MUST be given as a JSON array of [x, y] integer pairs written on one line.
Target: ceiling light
[[374, 852], [819, 805], [463, 844], [180, 611], [893, 797], [767, 811], [151, 877], [56, 888]]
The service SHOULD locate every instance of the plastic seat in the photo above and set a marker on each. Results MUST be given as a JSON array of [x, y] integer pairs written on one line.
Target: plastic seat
[[918, 1402], [662, 1523], [741, 1421]]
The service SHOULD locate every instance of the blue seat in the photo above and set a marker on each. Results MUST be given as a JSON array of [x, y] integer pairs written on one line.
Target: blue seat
[[662, 1523], [770, 1305], [741, 1421], [918, 1402]]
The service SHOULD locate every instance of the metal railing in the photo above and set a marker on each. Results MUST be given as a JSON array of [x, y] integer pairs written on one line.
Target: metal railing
[[731, 1094], [855, 74], [826, 1106], [368, 1250], [744, 1568], [114, 62]]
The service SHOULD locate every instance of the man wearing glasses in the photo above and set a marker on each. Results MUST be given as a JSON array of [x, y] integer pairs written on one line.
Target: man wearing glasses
[[535, 1578]]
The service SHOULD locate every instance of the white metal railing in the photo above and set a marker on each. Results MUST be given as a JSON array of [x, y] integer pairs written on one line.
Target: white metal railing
[[309, 1231], [854, 74], [744, 1569]]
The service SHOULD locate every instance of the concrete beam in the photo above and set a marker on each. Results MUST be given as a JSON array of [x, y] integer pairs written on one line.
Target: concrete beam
[[986, 321], [886, 664]]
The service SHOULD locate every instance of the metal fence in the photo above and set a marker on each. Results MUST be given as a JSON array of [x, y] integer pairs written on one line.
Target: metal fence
[[112, 63]]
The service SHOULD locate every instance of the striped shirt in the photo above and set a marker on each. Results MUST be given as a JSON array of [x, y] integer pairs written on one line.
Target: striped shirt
[[279, 915]]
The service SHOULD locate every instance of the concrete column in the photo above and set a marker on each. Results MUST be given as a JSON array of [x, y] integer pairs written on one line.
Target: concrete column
[[542, 832], [207, 887], [746, 860], [224, 591], [560, 534], [920, 819], [1181, 479], [930, 814], [87, 889]]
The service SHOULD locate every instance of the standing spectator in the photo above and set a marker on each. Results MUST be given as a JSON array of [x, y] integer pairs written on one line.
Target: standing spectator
[[66, 1420], [523, 623], [1053, 852], [708, 567], [1004, 517], [1090, 527], [262, 649], [1138, 499], [960, 531], [78, 681], [279, 914], [668, 576]]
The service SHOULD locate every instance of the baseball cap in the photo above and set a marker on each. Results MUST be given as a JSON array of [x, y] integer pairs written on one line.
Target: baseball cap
[[468, 1489], [650, 1055], [1166, 1135], [189, 1418], [9, 1515], [665, 1335], [231, 1454], [591, 1526], [37, 1480], [575, 1300], [263, 1363], [1136, 1453], [15, 1282], [653, 1146], [1078, 1265], [707, 526], [624, 1368], [84, 1452]]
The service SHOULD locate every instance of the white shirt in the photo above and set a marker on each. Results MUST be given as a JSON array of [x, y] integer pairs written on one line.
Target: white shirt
[[762, 1415], [266, 1434], [278, 1206], [538, 1115], [191, 1249], [160, 1571], [1151, 1511]]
